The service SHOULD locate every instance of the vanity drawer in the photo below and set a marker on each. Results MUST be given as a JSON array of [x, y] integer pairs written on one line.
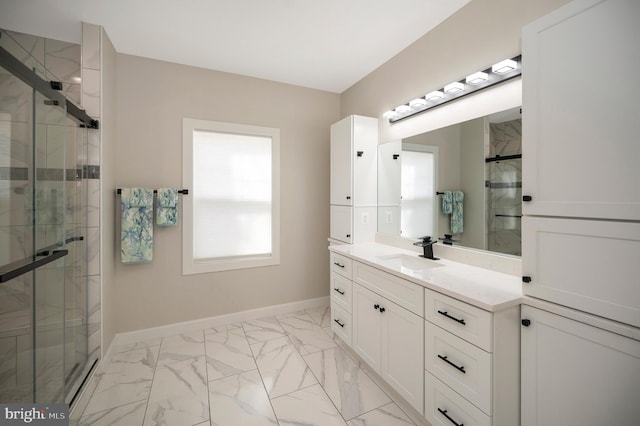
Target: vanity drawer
[[466, 321], [443, 407], [402, 292], [340, 291], [341, 264], [341, 323], [462, 366]]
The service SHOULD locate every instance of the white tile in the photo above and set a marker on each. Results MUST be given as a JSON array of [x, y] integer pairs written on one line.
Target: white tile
[[127, 378], [263, 329], [305, 334], [223, 327], [389, 415], [179, 394], [91, 92], [282, 368], [228, 354], [125, 415], [181, 347], [90, 46], [137, 345], [309, 407], [321, 315], [240, 400], [350, 389]]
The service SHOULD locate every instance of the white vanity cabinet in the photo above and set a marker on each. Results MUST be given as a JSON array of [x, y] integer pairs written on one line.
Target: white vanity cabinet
[[386, 335], [472, 363], [340, 296], [581, 229], [580, 134], [353, 188], [577, 374]]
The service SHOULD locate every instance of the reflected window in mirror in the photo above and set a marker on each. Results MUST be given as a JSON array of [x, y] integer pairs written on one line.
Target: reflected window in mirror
[[481, 158]]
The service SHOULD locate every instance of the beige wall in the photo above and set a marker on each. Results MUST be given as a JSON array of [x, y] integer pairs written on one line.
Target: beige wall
[[479, 34], [152, 99]]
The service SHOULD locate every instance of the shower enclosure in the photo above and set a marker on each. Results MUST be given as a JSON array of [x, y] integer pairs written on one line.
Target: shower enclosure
[[503, 185], [44, 352]]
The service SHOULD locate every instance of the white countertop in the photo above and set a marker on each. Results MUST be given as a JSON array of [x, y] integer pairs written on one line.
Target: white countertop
[[486, 289]]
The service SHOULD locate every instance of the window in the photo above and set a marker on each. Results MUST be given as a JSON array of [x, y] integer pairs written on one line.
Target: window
[[232, 217]]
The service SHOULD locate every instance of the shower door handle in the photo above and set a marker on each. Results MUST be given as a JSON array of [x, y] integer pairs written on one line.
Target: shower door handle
[[21, 267]]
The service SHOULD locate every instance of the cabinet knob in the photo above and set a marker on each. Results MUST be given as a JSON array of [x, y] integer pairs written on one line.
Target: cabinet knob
[[396, 156], [359, 153], [376, 306], [526, 279], [382, 310], [348, 235], [526, 322], [527, 198], [348, 197]]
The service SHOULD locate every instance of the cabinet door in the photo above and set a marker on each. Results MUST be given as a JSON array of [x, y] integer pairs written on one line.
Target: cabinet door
[[365, 161], [367, 321], [402, 357], [341, 225], [580, 120], [575, 374], [584, 264], [341, 166]]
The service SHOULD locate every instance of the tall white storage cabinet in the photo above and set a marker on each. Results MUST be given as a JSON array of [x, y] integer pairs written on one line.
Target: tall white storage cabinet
[[581, 206], [354, 142]]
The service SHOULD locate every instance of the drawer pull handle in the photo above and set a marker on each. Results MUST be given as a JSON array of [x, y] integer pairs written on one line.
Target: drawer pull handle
[[339, 291], [444, 413], [340, 323], [446, 314], [458, 367], [339, 265]]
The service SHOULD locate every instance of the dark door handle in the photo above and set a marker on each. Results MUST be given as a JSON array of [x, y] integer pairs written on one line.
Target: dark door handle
[[458, 367], [444, 413], [446, 314]]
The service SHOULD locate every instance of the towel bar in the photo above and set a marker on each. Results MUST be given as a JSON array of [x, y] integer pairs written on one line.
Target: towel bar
[[155, 191]]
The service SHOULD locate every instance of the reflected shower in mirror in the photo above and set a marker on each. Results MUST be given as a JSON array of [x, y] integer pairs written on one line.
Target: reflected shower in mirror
[[476, 165]]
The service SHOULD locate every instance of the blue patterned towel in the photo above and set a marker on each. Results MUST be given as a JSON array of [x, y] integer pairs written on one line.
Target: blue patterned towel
[[136, 225], [167, 208], [447, 202], [456, 213]]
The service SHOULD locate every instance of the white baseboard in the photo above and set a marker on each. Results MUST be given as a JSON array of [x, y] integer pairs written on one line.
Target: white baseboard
[[187, 326]]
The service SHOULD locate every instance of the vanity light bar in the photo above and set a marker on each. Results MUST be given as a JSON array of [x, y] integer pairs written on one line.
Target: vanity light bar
[[497, 73]]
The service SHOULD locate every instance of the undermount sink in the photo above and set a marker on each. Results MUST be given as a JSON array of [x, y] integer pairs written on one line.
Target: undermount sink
[[406, 263]]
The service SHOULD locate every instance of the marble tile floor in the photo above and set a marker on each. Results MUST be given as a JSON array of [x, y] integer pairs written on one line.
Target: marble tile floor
[[282, 370]]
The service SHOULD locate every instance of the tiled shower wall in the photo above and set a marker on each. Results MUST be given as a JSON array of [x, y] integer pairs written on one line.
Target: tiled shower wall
[[61, 147], [91, 61], [504, 192]]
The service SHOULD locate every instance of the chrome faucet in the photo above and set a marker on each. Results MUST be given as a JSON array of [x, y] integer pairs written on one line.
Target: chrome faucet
[[427, 246]]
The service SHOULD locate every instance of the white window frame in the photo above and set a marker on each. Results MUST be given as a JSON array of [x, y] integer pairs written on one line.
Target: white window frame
[[189, 266]]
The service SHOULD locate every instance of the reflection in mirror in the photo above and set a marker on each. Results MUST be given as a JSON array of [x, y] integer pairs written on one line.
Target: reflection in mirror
[[478, 162]]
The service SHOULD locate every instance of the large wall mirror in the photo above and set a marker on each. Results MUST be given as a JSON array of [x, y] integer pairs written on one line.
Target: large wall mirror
[[475, 166]]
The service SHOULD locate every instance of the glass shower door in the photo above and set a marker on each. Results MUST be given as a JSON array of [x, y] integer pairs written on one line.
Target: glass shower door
[[49, 212], [43, 337]]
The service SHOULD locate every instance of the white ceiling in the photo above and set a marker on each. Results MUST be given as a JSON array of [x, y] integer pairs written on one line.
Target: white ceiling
[[322, 44]]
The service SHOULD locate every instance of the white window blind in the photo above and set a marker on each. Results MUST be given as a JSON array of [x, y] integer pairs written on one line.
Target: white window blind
[[232, 208]]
